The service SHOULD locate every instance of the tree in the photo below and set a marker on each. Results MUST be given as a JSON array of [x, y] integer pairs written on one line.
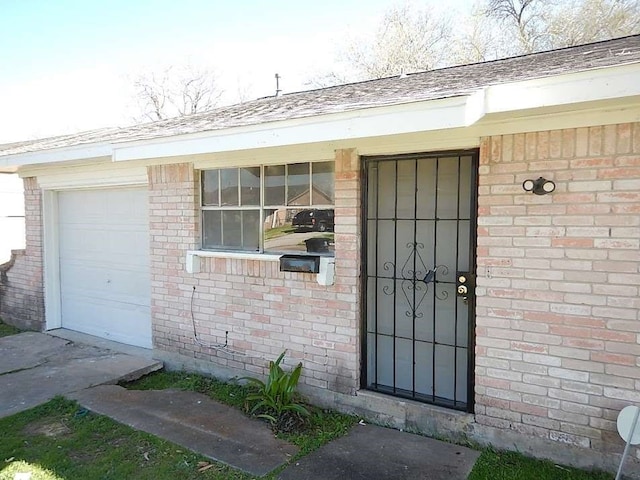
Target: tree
[[406, 40], [176, 92], [410, 38], [547, 24], [525, 21], [477, 41], [579, 22]]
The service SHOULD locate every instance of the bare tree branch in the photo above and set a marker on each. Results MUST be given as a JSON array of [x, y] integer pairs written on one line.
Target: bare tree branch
[[477, 40], [526, 20], [585, 21], [176, 91], [407, 40]]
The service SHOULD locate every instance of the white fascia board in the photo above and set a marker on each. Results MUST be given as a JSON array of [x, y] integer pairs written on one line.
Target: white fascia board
[[79, 152], [397, 119], [564, 90]]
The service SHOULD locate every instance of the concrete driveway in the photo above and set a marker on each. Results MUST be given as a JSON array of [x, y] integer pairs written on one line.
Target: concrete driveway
[[35, 367]]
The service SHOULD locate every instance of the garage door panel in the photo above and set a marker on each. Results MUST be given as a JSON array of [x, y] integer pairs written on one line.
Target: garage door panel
[[79, 207], [128, 286], [82, 240], [129, 212], [119, 323], [104, 263]]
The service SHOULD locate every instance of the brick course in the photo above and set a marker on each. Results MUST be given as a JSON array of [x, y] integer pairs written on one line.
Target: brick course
[[557, 297], [21, 279], [264, 311], [557, 317]]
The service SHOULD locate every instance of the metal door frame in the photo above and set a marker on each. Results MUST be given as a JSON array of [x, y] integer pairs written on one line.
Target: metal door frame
[[367, 160]]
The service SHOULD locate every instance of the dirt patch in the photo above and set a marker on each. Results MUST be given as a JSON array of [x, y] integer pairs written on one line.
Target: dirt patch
[[48, 429], [82, 457]]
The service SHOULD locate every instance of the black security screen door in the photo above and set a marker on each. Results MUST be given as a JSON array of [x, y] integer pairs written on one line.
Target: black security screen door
[[419, 264]]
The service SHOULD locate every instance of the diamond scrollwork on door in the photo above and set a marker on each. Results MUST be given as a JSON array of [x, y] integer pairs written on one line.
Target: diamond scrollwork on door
[[415, 278]]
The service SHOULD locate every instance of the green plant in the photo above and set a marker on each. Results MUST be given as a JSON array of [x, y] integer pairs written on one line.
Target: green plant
[[276, 399], [6, 330]]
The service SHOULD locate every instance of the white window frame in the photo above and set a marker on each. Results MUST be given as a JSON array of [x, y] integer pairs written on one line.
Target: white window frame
[[261, 208]]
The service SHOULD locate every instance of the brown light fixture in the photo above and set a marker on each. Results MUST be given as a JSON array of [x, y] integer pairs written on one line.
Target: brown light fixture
[[541, 186]]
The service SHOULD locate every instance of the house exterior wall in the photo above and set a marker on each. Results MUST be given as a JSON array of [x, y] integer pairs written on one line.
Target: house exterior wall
[[264, 311], [558, 326], [557, 310], [12, 236], [21, 279]]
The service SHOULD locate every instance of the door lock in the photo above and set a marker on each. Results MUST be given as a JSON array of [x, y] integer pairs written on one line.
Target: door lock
[[465, 285]]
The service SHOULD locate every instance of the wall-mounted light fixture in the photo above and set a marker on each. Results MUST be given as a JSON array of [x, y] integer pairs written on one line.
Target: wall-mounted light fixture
[[541, 186]]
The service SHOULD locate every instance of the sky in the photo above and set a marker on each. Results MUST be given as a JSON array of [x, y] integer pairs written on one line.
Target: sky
[[68, 66]]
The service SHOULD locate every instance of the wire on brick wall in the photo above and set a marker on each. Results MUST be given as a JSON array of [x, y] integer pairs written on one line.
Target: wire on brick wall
[[225, 348], [222, 347]]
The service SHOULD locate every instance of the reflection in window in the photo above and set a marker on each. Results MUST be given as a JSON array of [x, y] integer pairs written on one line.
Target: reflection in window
[[298, 185], [250, 186], [274, 185], [293, 214], [295, 230], [229, 186], [322, 181]]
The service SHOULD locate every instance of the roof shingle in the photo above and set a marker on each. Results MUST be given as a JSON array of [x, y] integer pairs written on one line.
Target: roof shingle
[[429, 85]]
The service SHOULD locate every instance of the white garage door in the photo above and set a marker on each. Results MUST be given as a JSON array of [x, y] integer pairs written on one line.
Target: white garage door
[[104, 264]]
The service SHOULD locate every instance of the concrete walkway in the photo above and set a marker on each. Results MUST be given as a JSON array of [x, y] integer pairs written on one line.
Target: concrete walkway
[[222, 433], [35, 367], [370, 452], [194, 421]]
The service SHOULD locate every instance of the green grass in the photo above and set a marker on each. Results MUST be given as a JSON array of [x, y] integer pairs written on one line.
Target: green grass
[[229, 393], [59, 440], [499, 465], [6, 330], [278, 232]]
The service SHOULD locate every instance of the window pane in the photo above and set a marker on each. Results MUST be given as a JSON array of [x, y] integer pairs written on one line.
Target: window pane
[[298, 184], [274, 185], [250, 186], [232, 228], [210, 188], [251, 230], [211, 229], [299, 230], [323, 181], [229, 186]]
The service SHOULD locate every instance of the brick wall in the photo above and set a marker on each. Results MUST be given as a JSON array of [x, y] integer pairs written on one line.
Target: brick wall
[[21, 279], [264, 311], [558, 326]]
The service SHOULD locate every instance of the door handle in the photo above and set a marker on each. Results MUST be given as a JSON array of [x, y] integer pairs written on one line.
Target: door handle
[[465, 285]]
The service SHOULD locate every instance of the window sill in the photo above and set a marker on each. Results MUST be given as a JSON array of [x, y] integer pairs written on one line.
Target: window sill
[[324, 277], [266, 257]]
